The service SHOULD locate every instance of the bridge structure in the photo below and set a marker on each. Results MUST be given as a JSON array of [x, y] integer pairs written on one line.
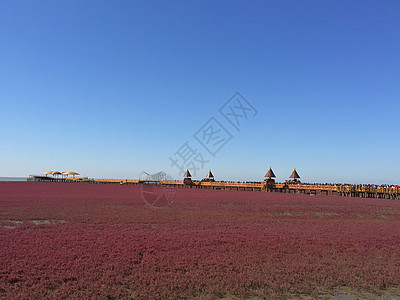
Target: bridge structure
[[293, 186]]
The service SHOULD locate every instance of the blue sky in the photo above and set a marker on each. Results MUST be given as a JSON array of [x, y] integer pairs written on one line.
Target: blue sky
[[112, 88]]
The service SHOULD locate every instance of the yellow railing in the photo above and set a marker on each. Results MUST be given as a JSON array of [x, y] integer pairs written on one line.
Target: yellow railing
[[229, 184], [340, 188], [102, 180], [312, 187], [171, 182]]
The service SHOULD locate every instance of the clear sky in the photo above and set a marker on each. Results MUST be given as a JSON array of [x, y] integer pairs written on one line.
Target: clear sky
[[113, 88]]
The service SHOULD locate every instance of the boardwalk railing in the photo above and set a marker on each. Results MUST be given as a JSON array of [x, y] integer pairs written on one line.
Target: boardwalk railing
[[382, 192]]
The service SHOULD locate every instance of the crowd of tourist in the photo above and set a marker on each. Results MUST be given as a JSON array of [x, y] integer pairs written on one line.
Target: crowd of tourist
[[351, 187]]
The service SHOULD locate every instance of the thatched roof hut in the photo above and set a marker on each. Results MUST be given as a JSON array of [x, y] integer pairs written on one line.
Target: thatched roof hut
[[210, 175], [295, 175], [187, 174], [270, 173]]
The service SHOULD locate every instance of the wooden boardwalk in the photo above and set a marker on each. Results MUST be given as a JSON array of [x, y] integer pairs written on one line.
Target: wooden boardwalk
[[308, 189]]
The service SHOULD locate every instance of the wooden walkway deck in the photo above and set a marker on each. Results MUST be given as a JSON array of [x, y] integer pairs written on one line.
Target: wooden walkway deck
[[309, 189]]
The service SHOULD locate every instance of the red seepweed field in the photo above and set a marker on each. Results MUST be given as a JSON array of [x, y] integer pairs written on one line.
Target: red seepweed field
[[77, 241]]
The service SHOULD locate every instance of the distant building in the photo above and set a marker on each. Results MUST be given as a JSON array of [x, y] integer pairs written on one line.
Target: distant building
[[187, 180], [209, 177], [295, 176]]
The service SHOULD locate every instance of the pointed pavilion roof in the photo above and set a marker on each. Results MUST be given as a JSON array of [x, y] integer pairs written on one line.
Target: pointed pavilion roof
[[210, 175], [187, 174], [270, 173], [295, 175]]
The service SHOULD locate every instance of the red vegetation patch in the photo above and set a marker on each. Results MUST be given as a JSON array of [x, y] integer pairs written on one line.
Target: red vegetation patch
[[60, 240]]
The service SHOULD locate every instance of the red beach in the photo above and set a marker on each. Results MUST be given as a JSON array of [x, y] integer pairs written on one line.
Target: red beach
[[76, 241]]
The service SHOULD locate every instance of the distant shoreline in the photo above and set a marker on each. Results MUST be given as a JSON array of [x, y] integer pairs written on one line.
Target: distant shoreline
[[13, 178]]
